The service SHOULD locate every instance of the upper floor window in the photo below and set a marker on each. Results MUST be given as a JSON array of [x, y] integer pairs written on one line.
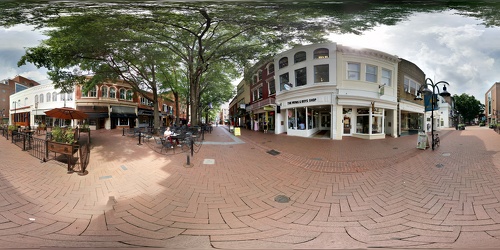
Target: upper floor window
[[321, 73], [371, 73], [26, 101], [259, 74], [69, 96], [104, 90], [36, 99], [41, 98], [145, 101], [386, 77], [122, 94], [255, 80], [270, 69], [321, 53], [48, 97], [411, 86], [272, 87], [257, 93], [353, 71], [284, 80], [299, 57], [130, 94], [93, 92], [283, 62], [63, 96], [54, 96], [300, 77], [112, 92]]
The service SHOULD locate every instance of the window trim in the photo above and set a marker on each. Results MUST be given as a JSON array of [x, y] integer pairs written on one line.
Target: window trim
[[371, 74], [359, 71]]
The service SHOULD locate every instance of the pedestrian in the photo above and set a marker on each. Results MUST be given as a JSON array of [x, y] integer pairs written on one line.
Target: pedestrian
[[265, 127]]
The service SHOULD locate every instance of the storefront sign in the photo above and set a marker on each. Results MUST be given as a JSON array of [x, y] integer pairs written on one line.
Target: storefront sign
[[237, 131], [302, 101], [268, 108]]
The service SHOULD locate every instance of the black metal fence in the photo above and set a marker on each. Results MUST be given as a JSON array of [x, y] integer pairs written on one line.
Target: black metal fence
[[37, 147]]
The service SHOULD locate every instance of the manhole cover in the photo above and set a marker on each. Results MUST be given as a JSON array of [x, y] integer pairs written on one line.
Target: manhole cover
[[282, 198], [446, 154], [439, 165], [273, 152], [317, 159]]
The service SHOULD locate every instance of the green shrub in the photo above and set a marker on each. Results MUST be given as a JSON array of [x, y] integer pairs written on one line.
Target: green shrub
[[63, 136]]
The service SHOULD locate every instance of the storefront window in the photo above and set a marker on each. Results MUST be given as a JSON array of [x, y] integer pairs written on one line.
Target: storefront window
[[376, 124], [123, 122], [301, 118], [362, 124]]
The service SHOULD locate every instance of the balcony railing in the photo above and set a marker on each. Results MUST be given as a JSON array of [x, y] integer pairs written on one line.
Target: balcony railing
[[260, 104]]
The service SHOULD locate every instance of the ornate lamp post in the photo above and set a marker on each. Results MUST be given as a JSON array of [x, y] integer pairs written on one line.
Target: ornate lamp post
[[424, 89]]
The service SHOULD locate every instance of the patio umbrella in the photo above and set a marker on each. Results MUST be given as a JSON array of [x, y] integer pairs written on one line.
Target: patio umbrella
[[66, 114]]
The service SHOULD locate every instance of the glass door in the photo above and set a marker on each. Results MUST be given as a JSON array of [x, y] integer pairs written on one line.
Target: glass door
[[347, 121]]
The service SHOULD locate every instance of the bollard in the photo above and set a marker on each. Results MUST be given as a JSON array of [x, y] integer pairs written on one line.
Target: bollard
[[139, 138], [188, 163], [191, 142], [123, 134]]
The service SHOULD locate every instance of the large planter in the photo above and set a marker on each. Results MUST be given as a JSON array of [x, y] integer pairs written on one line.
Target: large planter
[[63, 148]]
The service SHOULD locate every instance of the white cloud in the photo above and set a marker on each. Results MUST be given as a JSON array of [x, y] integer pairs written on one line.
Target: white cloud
[[445, 46]]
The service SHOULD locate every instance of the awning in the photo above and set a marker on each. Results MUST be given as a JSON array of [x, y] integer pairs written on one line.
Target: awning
[[122, 112], [97, 115], [145, 112]]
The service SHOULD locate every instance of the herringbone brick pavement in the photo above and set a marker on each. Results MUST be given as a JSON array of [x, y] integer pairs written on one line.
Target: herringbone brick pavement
[[343, 194]]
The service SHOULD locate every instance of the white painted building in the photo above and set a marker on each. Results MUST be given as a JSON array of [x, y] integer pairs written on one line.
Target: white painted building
[[336, 90], [28, 106]]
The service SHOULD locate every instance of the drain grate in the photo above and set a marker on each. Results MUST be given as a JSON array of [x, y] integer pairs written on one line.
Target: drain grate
[[439, 165], [282, 199], [273, 152]]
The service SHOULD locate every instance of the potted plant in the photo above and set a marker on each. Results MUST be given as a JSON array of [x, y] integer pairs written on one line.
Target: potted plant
[[63, 141], [461, 126], [11, 128]]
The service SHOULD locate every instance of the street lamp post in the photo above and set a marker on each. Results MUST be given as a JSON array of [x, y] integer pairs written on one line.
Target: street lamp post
[[424, 89]]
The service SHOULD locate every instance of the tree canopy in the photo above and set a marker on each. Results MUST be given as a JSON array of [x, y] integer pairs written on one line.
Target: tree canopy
[[468, 106], [130, 40]]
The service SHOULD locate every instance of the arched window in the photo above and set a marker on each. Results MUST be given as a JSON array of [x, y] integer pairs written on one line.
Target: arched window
[[93, 92], [122, 94], [104, 90], [41, 98], [36, 99], [26, 101], [48, 97], [54, 96], [299, 57], [112, 92], [270, 69], [255, 80], [63, 96], [130, 94], [259, 74], [283, 62], [69, 96], [321, 53]]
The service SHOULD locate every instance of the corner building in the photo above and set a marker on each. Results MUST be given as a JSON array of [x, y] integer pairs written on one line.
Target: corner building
[[335, 91]]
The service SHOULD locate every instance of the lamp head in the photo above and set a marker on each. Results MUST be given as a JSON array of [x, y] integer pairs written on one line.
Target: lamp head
[[444, 93], [426, 91], [419, 96]]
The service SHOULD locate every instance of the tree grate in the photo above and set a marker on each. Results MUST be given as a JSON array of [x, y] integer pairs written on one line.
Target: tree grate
[[273, 152], [282, 199]]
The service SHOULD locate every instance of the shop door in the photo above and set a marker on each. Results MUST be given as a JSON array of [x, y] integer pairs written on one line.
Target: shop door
[[347, 125], [325, 121]]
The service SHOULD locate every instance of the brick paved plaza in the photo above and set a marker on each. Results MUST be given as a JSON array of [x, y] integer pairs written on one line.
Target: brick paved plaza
[[343, 194]]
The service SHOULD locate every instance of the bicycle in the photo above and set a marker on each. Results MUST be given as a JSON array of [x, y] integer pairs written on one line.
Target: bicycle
[[436, 141]]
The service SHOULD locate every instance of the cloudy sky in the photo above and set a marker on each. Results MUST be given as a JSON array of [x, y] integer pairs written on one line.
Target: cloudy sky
[[444, 45]]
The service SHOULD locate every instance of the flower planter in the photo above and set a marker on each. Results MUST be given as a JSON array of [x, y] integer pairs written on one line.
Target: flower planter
[[63, 148]]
